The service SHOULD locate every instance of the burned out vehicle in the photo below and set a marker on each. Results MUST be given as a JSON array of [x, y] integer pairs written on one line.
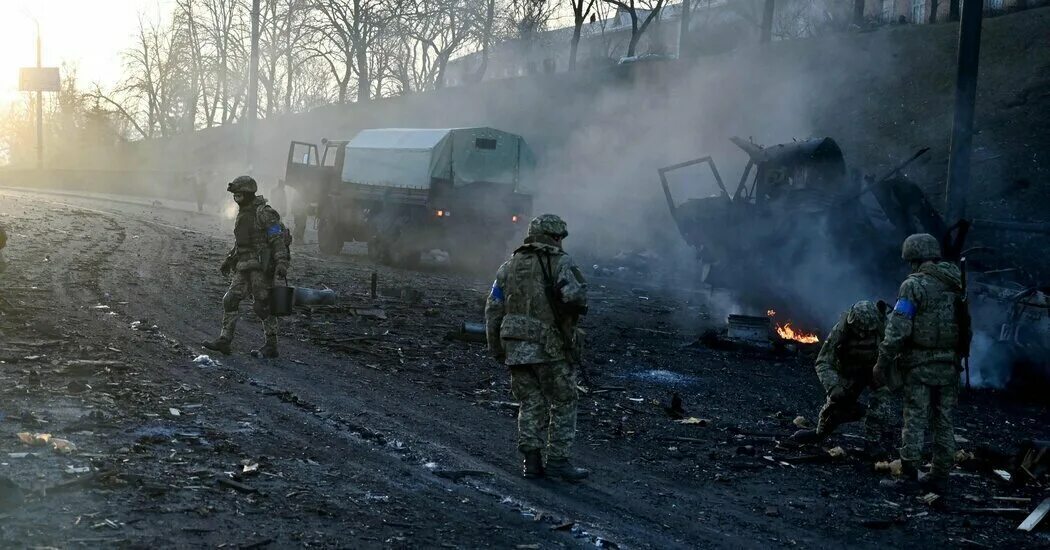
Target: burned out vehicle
[[466, 191], [800, 234], [796, 222]]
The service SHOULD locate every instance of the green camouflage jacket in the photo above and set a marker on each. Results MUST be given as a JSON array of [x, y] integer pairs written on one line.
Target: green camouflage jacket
[[520, 324], [922, 332], [848, 354], [261, 240]]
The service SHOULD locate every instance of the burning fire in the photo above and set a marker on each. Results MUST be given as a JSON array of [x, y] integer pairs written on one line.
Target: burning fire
[[787, 332]]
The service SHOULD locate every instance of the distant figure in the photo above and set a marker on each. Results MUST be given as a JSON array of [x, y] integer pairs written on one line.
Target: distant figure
[[531, 317], [260, 254], [300, 214], [200, 190], [279, 197]]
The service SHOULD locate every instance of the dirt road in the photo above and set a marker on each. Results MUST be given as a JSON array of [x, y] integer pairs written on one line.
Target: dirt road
[[375, 429]]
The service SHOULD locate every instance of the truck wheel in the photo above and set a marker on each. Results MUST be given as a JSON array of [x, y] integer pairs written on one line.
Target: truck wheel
[[329, 239]]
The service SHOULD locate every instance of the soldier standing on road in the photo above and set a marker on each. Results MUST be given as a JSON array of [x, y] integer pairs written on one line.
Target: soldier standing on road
[[531, 321], [844, 367], [200, 190], [259, 255], [921, 348]]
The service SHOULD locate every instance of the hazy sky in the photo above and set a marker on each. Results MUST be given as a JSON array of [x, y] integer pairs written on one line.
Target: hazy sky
[[88, 33]]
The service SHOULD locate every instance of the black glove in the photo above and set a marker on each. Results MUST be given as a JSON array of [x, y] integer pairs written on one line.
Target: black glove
[[281, 272], [837, 393], [227, 267]]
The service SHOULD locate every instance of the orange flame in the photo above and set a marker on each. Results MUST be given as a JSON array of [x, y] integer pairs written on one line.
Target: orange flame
[[787, 332]]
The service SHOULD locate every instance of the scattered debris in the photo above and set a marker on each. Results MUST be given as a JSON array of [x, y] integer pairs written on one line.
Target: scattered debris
[[749, 328], [1003, 474], [1036, 516], [801, 422], [692, 420], [34, 440], [236, 485], [894, 468], [930, 498], [205, 361], [837, 452], [63, 446], [370, 313], [994, 511], [174, 412]]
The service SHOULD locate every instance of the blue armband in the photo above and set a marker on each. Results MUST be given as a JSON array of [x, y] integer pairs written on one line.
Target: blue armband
[[274, 230], [905, 307], [497, 293]]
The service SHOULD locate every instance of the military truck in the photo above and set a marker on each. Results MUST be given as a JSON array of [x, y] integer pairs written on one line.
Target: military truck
[[465, 191]]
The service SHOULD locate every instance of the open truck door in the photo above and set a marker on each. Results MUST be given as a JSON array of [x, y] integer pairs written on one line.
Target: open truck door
[[304, 172]]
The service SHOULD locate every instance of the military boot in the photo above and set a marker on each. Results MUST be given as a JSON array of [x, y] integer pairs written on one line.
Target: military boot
[[220, 344], [561, 467], [934, 484], [269, 349], [532, 465]]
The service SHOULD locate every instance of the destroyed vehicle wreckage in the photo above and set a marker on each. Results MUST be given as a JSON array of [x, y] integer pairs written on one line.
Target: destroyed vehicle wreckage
[[798, 232]]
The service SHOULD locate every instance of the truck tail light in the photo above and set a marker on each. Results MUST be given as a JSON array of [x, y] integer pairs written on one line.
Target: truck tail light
[[442, 213], [514, 218]]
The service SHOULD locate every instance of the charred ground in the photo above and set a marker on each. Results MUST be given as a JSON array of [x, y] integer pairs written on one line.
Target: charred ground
[[375, 429]]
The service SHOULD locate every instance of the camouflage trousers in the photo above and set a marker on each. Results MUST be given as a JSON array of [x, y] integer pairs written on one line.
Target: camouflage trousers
[[927, 406], [877, 417], [252, 283], [547, 413]]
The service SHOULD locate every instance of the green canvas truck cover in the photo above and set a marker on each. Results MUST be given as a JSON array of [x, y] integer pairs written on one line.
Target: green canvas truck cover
[[411, 157]]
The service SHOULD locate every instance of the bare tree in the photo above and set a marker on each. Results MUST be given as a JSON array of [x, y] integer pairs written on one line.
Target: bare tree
[[156, 95], [641, 17], [581, 11], [352, 28], [485, 31]]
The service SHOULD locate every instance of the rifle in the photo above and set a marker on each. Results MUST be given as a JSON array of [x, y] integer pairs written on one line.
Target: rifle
[[571, 353], [962, 316]]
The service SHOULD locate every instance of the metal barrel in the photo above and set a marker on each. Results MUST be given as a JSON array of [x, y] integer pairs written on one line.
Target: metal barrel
[[314, 297], [472, 328]]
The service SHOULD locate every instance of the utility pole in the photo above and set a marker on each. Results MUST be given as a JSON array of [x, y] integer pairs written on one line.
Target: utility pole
[[767, 21], [965, 98], [253, 90], [39, 109]]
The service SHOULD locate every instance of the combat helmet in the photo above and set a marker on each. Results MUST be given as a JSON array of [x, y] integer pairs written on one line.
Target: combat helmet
[[548, 224], [243, 184], [921, 247], [863, 317]]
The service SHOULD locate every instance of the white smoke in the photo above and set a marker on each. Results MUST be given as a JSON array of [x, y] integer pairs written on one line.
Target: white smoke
[[990, 363]]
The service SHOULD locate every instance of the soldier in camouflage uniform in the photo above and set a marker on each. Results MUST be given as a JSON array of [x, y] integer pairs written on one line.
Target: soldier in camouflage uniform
[[259, 254], [921, 350], [844, 367], [531, 323]]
